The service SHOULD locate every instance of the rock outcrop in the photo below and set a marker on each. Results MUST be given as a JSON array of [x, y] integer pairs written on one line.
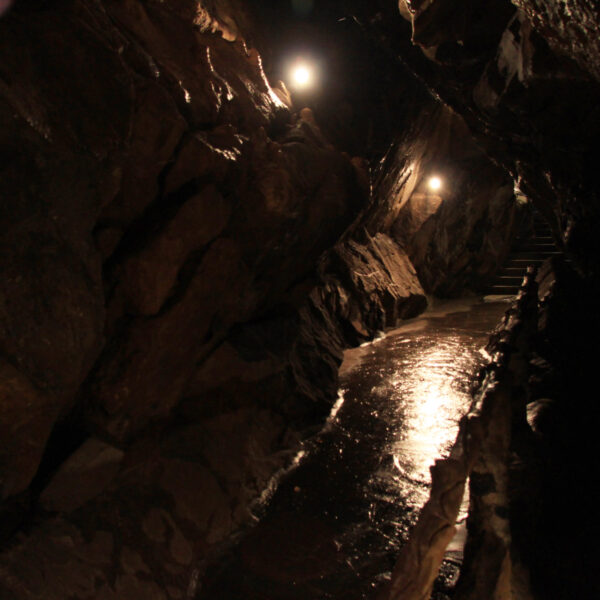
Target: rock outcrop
[[170, 326], [524, 77], [527, 89], [458, 235], [145, 211], [375, 286]]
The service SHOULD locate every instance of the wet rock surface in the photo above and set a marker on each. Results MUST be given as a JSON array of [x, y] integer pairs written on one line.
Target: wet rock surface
[[525, 87], [169, 328], [336, 521], [375, 284], [161, 197], [518, 459], [456, 236], [132, 189], [163, 223]]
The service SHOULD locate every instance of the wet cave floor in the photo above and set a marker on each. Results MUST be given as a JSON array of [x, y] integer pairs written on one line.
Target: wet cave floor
[[336, 522]]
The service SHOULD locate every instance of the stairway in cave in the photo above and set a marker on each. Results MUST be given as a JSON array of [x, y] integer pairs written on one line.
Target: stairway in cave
[[531, 249]]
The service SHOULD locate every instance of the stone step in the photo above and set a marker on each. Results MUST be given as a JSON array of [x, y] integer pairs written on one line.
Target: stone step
[[539, 239], [542, 241], [509, 280], [529, 251], [537, 247], [503, 290], [535, 255], [523, 264], [536, 239], [515, 259]]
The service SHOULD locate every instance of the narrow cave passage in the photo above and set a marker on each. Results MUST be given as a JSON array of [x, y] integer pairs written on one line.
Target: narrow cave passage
[[192, 234], [337, 520]]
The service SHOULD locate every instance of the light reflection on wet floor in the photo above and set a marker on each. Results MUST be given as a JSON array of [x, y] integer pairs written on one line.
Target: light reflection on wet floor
[[335, 524]]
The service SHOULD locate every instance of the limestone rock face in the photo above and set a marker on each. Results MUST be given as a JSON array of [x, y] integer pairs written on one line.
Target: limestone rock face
[[528, 92], [570, 28], [140, 181], [223, 257], [459, 235], [455, 236], [364, 287], [377, 286], [160, 210]]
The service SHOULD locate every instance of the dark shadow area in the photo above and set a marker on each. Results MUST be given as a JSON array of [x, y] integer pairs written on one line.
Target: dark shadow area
[[553, 472]]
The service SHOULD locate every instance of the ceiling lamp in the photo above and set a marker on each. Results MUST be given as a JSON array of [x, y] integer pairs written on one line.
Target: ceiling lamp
[[434, 183], [302, 76]]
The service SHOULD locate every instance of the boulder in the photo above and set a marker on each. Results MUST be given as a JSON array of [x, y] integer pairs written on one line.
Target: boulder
[[82, 477]]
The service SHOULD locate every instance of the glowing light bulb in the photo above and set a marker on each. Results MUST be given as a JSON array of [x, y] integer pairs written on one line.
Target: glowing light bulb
[[301, 76], [435, 183]]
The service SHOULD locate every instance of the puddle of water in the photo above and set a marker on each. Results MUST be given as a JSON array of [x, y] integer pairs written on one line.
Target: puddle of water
[[335, 524]]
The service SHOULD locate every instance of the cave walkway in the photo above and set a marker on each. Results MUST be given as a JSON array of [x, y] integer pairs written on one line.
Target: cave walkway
[[335, 524]]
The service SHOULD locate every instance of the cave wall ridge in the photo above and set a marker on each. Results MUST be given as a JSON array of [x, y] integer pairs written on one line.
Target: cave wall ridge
[[176, 291]]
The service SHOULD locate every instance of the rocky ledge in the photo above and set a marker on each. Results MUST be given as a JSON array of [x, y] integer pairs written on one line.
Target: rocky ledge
[[168, 319]]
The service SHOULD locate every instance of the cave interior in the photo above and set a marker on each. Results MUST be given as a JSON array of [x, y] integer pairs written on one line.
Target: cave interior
[[193, 231]]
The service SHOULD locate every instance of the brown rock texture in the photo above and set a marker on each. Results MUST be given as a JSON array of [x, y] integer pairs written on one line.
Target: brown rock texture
[[482, 457], [135, 186], [162, 217], [172, 313], [569, 27], [375, 284], [457, 236]]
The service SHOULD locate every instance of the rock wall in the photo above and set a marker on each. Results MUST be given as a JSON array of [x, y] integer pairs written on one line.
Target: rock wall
[[172, 313], [527, 91], [459, 235], [456, 237], [525, 453], [374, 284], [148, 211]]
